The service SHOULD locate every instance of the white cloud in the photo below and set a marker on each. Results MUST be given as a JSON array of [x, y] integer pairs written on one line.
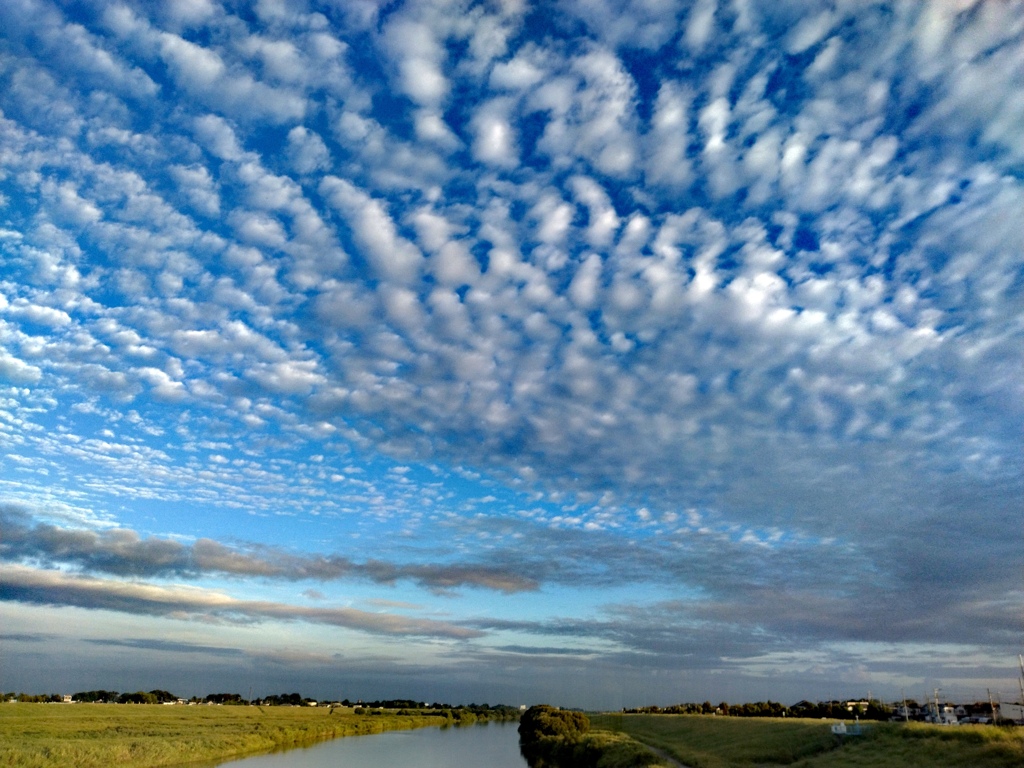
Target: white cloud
[[189, 12], [307, 151], [518, 73], [430, 126], [258, 228], [204, 73], [606, 104], [281, 59], [162, 386], [391, 256], [293, 377], [71, 206], [637, 23], [666, 161], [35, 313], [196, 68], [700, 25], [217, 135], [419, 58], [495, 141], [583, 289], [810, 31], [197, 187], [17, 371], [554, 217], [603, 220]]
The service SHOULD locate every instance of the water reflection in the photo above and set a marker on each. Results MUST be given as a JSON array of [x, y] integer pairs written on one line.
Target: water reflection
[[493, 745]]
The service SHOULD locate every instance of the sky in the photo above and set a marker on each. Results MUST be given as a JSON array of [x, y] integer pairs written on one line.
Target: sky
[[593, 353]]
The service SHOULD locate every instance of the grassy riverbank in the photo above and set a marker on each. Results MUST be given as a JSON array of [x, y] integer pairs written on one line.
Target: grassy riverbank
[[148, 736], [728, 742]]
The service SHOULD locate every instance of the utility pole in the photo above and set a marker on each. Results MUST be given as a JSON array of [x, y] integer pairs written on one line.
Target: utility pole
[[1020, 680]]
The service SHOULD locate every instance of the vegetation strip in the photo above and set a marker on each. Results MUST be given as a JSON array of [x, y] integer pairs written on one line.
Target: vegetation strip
[[708, 741], [156, 736]]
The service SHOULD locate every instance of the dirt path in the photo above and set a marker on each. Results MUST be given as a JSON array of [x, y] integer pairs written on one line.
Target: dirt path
[[663, 755]]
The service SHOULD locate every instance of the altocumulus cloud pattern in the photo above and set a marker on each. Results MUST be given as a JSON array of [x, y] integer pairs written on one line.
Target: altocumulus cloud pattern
[[608, 353]]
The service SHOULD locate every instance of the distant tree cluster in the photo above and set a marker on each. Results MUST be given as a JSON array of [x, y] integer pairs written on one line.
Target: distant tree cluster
[[398, 704], [870, 710], [456, 714], [156, 696], [95, 696], [707, 708], [281, 700], [225, 698], [33, 698]]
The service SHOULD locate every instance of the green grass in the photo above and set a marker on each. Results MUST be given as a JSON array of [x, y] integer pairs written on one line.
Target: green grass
[[146, 736], [616, 750], [704, 741]]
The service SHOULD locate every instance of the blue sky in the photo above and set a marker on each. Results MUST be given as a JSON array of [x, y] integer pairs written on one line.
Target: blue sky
[[594, 353]]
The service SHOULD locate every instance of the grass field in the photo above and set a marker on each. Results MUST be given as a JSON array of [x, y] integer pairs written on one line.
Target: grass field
[[703, 741], [145, 736]]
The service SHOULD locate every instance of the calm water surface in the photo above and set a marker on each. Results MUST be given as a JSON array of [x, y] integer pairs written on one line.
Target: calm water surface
[[492, 745]]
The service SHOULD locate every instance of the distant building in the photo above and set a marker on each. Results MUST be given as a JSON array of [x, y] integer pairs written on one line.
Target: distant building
[[1014, 712], [903, 712]]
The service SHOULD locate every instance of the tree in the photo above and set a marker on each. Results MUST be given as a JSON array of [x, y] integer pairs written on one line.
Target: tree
[[877, 710], [139, 697], [92, 696], [226, 698], [542, 721], [550, 737]]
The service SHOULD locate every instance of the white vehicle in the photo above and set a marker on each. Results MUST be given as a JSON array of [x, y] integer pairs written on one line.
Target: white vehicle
[[1014, 712], [943, 715]]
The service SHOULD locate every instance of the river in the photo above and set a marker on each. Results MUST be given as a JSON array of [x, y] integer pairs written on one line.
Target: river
[[490, 745]]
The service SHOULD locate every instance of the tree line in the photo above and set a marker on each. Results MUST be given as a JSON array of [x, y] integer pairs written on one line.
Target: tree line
[[453, 715], [458, 713], [870, 710], [111, 697]]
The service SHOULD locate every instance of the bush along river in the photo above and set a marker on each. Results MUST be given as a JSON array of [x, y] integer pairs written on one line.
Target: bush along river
[[488, 745], [557, 738]]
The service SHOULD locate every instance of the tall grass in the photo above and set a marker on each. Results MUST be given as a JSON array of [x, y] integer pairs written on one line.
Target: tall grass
[[147, 736], [704, 741]]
